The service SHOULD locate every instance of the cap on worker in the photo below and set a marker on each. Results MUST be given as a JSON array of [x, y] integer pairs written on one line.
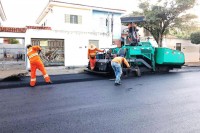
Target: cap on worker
[[91, 46], [28, 46]]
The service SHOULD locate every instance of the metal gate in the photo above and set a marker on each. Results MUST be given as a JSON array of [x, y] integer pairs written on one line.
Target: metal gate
[[12, 58], [52, 51]]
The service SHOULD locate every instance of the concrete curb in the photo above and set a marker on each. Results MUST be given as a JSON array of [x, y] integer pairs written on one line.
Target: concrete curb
[[69, 78], [14, 77], [57, 79]]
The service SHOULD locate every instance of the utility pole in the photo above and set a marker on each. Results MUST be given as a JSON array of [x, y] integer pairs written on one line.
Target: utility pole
[[112, 27], [108, 23]]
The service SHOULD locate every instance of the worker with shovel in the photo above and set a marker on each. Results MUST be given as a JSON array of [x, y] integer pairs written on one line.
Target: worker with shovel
[[36, 63]]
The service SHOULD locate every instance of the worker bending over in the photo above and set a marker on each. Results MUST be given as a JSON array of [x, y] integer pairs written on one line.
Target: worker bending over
[[116, 64], [36, 63]]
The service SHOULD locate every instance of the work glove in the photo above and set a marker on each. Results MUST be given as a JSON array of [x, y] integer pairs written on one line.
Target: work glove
[[128, 70], [39, 51]]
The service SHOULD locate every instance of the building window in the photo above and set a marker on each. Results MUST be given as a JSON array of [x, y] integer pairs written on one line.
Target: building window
[[95, 42], [178, 46], [73, 19]]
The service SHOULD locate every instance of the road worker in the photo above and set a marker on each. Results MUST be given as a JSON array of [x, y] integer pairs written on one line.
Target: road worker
[[36, 63], [133, 35], [92, 50], [116, 64]]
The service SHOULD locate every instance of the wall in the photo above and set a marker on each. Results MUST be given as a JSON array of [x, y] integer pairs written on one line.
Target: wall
[[75, 43], [92, 21], [99, 23], [190, 50], [56, 19], [11, 50]]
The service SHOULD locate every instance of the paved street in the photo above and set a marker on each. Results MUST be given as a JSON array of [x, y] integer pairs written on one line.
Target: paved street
[[161, 103]]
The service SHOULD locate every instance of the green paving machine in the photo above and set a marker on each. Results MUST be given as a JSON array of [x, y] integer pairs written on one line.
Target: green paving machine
[[142, 56]]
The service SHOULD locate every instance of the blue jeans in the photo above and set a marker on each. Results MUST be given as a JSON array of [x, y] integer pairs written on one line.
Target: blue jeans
[[118, 71]]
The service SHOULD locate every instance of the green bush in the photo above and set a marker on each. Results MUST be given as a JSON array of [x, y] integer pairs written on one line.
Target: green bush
[[195, 38]]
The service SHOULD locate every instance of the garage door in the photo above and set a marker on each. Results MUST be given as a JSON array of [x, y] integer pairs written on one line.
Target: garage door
[[53, 51]]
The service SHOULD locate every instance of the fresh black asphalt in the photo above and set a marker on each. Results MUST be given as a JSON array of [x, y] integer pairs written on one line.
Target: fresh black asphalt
[[56, 79], [17, 82], [161, 103]]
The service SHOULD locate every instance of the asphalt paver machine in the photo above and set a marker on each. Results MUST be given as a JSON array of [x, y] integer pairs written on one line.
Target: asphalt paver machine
[[141, 55]]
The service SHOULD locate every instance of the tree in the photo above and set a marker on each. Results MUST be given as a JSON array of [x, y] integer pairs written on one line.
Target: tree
[[13, 41], [195, 38], [164, 15], [184, 31]]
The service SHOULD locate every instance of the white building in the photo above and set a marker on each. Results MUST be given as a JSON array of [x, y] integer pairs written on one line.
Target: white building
[[2, 15], [78, 25], [70, 28], [81, 18], [2, 19]]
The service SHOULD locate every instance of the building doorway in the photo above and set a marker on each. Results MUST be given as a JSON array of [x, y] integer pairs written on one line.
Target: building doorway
[[95, 42], [178, 46]]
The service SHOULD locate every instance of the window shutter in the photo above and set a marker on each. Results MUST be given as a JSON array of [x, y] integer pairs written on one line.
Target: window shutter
[[67, 18], [79, 19]]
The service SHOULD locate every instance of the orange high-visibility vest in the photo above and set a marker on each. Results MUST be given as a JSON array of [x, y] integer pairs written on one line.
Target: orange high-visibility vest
[[33, 54], [92, 53], [120, 60]]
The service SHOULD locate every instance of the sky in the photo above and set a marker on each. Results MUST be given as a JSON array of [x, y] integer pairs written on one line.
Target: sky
[[20, 13], [25, 12]]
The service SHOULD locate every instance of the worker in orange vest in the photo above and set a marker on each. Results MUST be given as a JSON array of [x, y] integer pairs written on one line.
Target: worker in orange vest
[[92, 50], [36, 63], [116, 65]]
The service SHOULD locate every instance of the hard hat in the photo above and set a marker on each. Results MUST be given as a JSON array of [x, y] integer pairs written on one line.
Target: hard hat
[[91, 46]]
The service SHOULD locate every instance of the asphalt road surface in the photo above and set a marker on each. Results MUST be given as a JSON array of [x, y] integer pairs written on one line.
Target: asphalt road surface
[[162, 103]]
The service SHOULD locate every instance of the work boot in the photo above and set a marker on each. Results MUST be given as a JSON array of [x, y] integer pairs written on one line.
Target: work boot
[[50, 82], [118, 83]]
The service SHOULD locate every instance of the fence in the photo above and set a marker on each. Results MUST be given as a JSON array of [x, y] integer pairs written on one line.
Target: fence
[[12, 59]]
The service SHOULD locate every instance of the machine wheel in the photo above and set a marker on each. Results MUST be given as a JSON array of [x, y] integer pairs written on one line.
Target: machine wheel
[[88, 65], [162, 69], [137, 71]]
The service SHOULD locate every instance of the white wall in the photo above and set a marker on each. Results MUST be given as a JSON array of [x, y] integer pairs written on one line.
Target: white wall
[[117, 27], [191, 51], [1, 41], [76, 47], [99, 23], [10, 34], [56, 19], [92, 21], [75, 43], [1, 22]]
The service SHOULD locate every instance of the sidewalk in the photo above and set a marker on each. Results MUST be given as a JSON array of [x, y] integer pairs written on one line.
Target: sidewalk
[[21, 78], [50, 70], [60, 70], [58, 75], [192, 64]]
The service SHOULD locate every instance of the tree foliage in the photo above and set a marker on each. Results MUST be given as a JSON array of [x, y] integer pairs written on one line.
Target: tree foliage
[[13, 41], [186, 30], [195, 38], [165, 15]]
